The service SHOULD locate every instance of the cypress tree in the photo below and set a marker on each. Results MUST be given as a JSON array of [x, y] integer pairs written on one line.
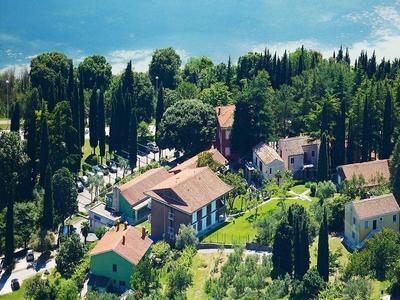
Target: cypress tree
[[47, 220], [323, 250], [301, 62], [113, 124], [350, 143], [282, 260], [323, 160], [51, 101], [339, 131], [133, 140], [15, 122], [297, 255], [228, 80], [75, 111], [70, 87], [366, 133], [81, 112], [159, 108], [395, 170], [305, 247], [44, 147], [9, 238], [347, 57], [93, 124], [101, 123], [30, 132], [387, 131]]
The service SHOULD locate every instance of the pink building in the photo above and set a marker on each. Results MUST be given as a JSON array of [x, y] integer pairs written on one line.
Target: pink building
[[225, 117]]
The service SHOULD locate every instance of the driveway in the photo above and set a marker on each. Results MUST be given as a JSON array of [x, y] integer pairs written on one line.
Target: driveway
[[22, 272]]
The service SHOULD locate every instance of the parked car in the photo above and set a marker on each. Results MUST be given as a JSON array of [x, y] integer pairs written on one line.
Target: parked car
[[30, 256], [84, 179], [79, 186], [112, 166], [98, 171], [105, 170], [152, 147], [14, 284]]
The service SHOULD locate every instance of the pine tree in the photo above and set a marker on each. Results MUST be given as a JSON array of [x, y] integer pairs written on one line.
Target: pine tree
[[81, 112], [323, 250], [101, 123], [347, 57], [44, 147], [93, 124], [301, 62], [228, 80], [282, 260], [395, 171], [323, 160], [15, 118], [366, 132], [387, 131], [133, 140], [159, 108], [47, 220]]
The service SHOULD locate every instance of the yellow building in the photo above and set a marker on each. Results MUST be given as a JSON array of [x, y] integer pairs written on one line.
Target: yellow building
[[364, 218]]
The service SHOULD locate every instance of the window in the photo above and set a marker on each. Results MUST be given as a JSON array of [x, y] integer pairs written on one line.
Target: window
[[292, 160], [227, 151], [227, 134], [122, 283], [270, 170], [373, 224], [353, 235], [97, 218], [261, 166], [313, 153], [394, 218], [354, 220], [114, 268], [366, 224]]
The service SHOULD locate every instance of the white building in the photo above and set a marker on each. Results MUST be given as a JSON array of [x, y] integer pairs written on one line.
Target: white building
[[99, 216], [267, 161]]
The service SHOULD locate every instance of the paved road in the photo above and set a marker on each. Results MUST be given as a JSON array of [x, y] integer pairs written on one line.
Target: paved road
[[22, 272]]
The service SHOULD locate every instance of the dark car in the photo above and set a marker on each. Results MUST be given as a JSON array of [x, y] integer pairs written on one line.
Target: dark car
[[84, 179], [79, 186], [152, 147], [104, 169], [30, 257], [98, 171], [14, 284], [112, 166]]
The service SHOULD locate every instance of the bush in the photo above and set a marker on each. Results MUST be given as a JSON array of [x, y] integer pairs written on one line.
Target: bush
[[70, 254], [100, 231], [161, 251], [325, 190], [117, 179], [39, 289], [313, 189], [108, 185], [42, 241]]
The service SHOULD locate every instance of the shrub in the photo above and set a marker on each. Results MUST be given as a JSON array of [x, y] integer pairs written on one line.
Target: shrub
[[313, 189], [161, 251], [42, 241], [325, 190], [108, 185], [100, 231]]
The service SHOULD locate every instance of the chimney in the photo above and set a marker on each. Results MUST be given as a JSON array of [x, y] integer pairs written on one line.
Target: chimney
[[125, 225], [123, 240], [143, 233], [219, 111], [117, 227]]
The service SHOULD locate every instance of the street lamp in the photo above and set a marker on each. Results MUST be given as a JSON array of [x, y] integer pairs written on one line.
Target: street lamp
[[7, 83]]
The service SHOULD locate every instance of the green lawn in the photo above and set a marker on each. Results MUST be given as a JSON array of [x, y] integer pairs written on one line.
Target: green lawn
[[334, 244], [298, 189], [17, 295], [377, 286], [87, 150], [242, 229]]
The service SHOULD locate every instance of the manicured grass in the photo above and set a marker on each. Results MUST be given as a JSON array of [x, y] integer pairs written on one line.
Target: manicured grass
[[242, 229], [17, 295], [87, 150], [201, 269], [298, 189], [335, 243]]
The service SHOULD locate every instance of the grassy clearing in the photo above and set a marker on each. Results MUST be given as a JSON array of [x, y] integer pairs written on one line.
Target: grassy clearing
[[17, 295], [242, 229], [377, 287], [88, 151], [202, 265]]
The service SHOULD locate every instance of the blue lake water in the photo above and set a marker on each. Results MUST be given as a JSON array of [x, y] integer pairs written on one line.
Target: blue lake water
[[126, 29]]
